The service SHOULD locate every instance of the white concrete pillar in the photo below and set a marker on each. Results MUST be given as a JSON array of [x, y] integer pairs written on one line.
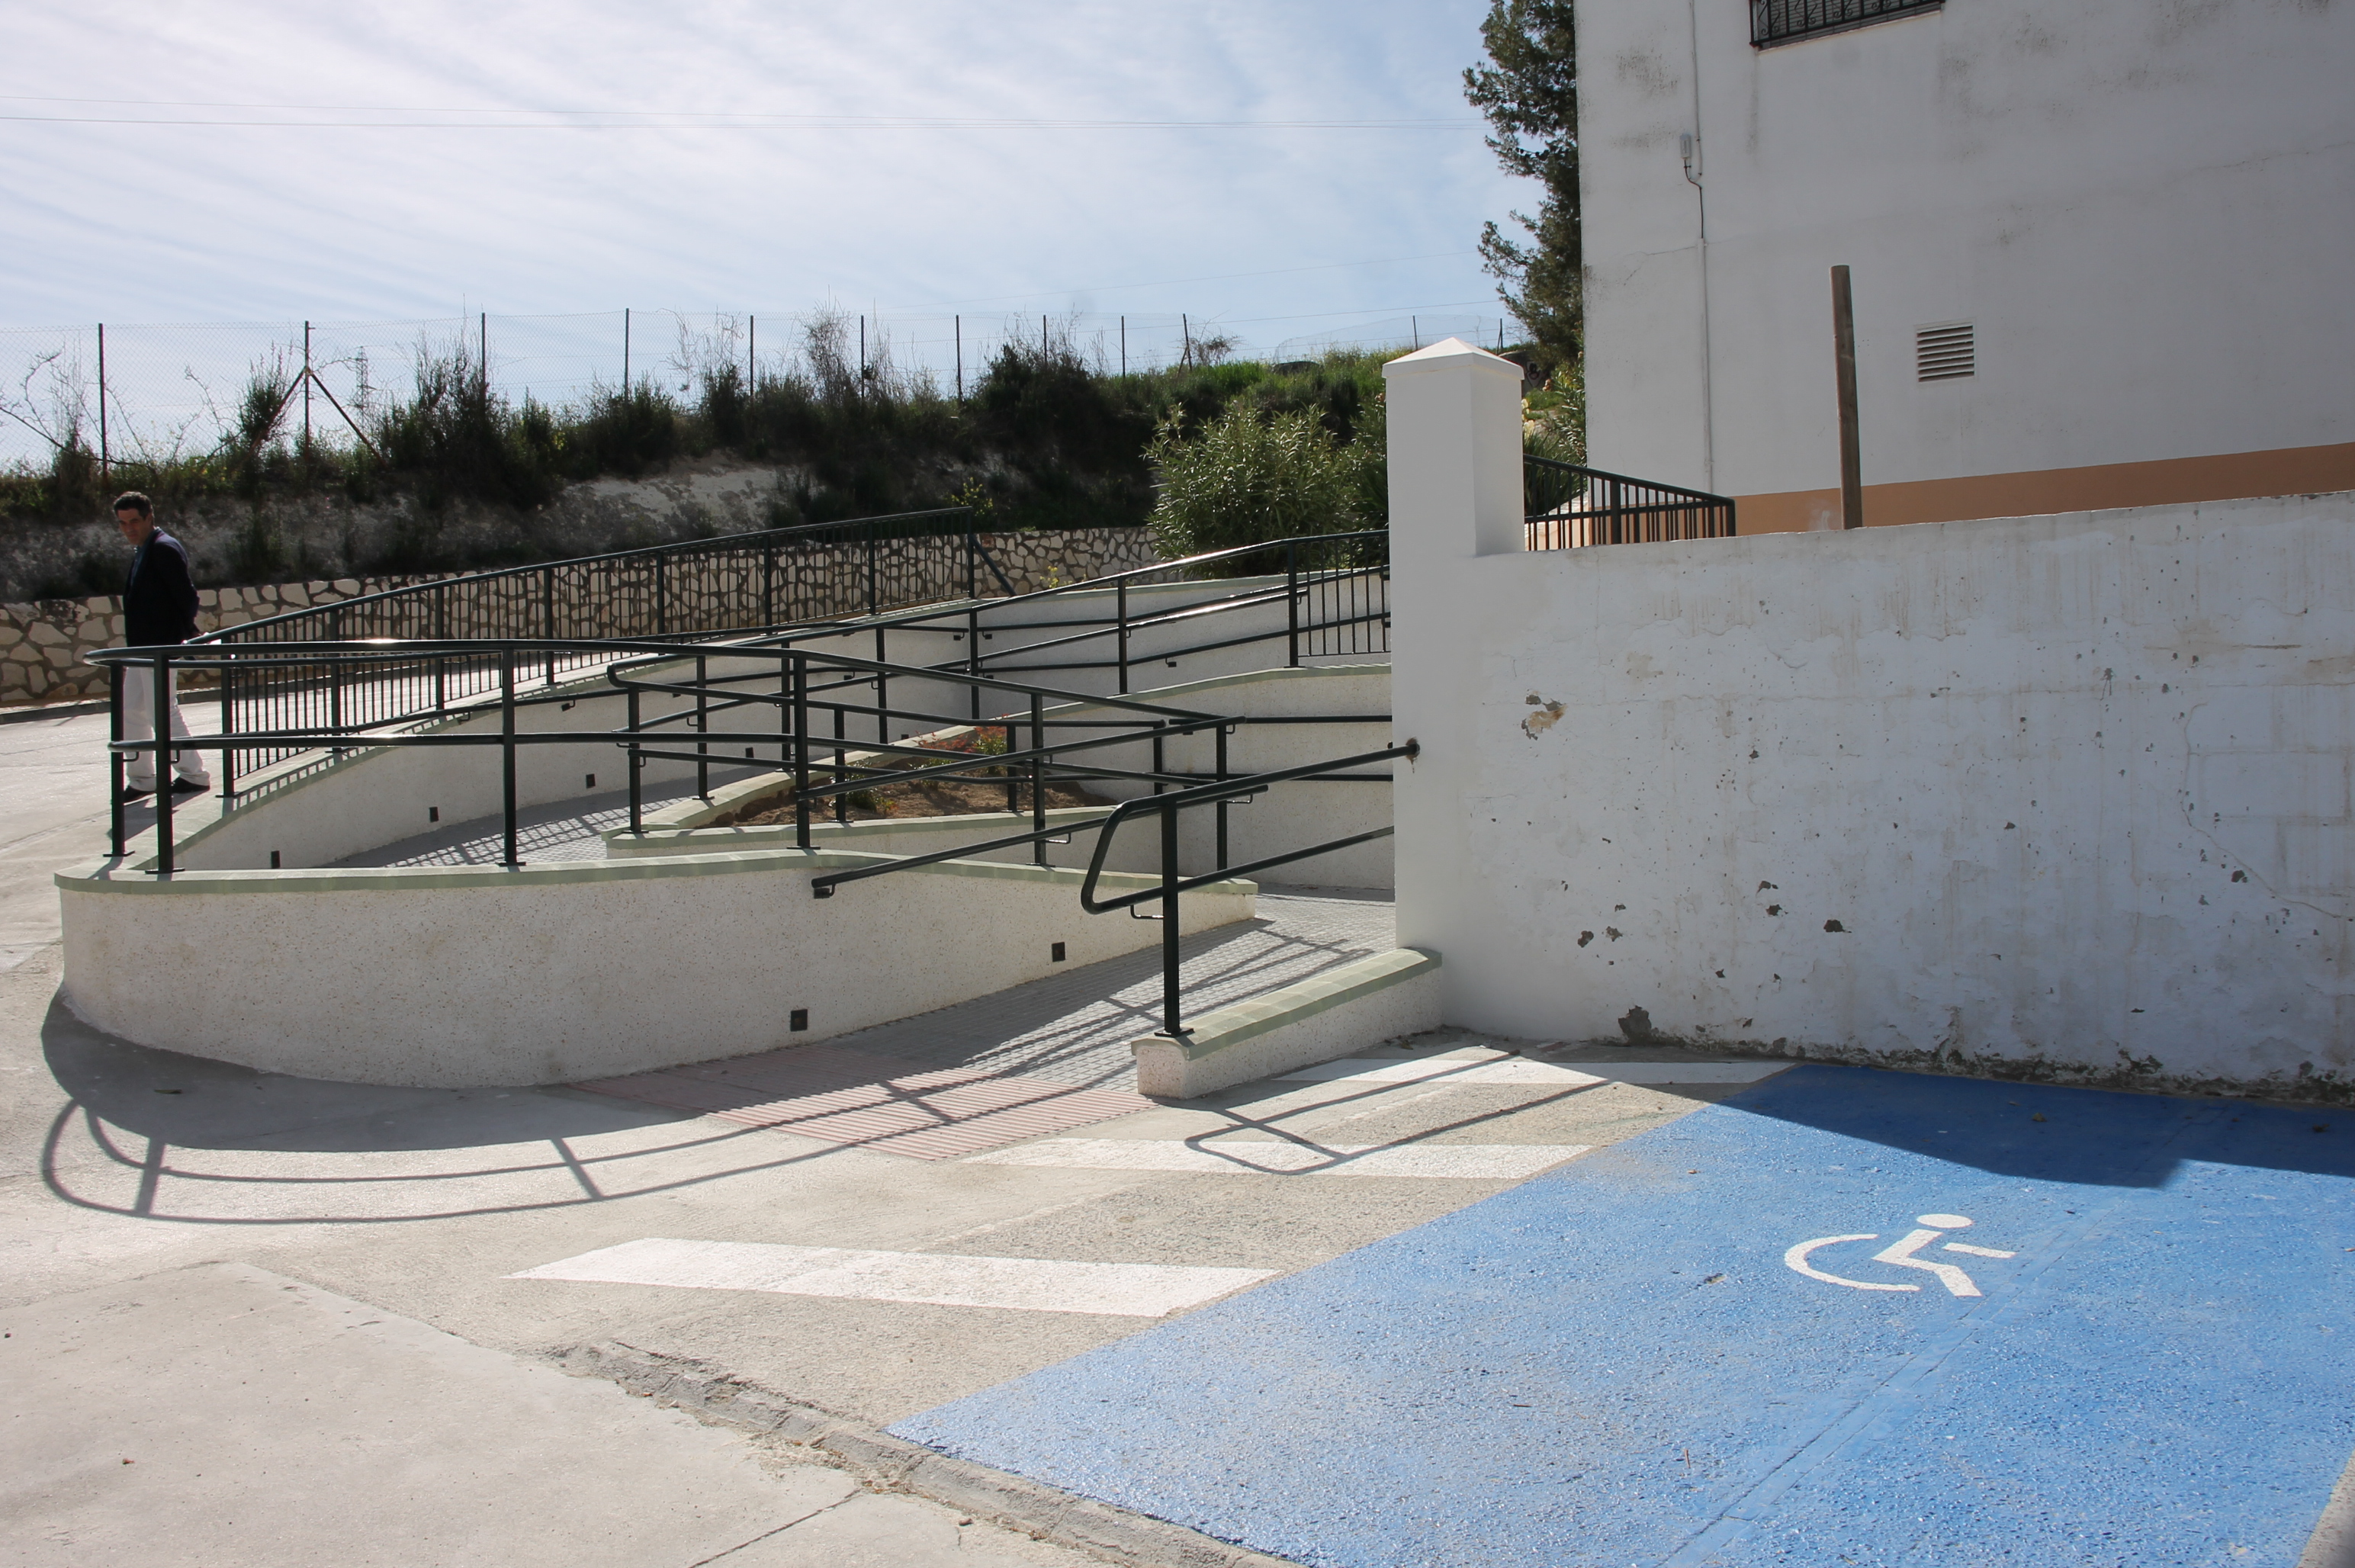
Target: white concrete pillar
[[1455, 418]]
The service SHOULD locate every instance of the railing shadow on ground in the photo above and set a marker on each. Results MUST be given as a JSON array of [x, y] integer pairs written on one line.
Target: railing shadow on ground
[[133, 1115]]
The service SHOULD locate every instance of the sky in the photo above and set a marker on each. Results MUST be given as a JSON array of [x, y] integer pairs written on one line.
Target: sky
[[1275, 170]]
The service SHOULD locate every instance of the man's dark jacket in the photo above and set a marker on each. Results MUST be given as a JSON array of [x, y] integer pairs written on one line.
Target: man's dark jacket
[[159, 603]]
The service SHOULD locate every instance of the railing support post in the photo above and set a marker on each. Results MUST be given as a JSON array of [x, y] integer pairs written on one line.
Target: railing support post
[[1169, 925], [1038, 777], [114, 758], [548, 618], [841, 768], [1222, 804], [702, 729], [228, 727], [161, 730], [1121, 596], [800, 751], [1292, 604], [637, 766], [973, 652], [508, 753]]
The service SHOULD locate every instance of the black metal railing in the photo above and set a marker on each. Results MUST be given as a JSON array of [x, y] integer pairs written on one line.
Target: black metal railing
[[738, 583], [1217, 794], [1771, 21], [1334, 590], [796, 706], [1565, 506]]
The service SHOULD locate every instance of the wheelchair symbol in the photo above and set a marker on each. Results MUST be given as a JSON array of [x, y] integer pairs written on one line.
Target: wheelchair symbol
[[1900, 1253]]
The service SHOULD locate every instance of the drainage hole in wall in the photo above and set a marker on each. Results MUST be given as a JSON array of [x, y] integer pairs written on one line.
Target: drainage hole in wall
[[588, 781], [432, 814], [1055, 954], [798, 1019], [273, 860]]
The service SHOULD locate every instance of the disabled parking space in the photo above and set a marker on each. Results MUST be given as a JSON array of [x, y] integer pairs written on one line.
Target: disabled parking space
[[1842, 1315]]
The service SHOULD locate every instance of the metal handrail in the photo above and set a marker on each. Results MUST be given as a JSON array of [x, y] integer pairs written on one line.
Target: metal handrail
[[635, 668], [1172, 884], [1567, 506]]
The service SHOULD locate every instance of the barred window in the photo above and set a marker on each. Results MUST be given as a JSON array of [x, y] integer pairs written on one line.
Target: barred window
[[1771, 21]]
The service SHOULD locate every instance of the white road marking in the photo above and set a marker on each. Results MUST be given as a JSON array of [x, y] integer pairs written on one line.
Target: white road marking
[[1521, 1069], [1464, 1162], [940, 1279], [1900, 1253]]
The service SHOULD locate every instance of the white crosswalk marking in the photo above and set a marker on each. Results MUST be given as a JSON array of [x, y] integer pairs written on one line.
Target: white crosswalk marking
[[1462, 1162], [1521, 1069], [1024, 1285]]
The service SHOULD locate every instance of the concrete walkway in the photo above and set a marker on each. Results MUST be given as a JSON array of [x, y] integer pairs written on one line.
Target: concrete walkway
[[1330, 1318]]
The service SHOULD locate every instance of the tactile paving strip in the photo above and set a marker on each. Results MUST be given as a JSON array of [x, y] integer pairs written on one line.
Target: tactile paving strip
[[873, 1102]]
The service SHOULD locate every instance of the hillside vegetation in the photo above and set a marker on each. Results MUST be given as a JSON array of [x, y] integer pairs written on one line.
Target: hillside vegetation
[[1232, 452]]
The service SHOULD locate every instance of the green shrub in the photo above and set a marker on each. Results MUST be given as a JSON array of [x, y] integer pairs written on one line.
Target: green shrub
[[1248, 478]]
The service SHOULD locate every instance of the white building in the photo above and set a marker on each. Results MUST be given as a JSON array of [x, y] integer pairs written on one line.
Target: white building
[[2103, 252]]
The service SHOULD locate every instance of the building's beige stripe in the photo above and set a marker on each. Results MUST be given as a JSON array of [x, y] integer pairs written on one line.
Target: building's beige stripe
[[2291, 471]]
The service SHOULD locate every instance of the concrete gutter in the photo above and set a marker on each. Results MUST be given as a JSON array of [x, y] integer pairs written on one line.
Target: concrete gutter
[[1361, 1003]]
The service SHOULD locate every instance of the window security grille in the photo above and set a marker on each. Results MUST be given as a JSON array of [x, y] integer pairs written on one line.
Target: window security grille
[[1771, 21], [1944, 353]]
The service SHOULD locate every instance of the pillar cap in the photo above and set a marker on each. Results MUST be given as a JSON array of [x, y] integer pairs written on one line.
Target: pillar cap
[[1445, 354]]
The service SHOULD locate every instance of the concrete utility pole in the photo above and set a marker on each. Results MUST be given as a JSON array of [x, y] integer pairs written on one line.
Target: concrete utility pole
[[1844, 365]]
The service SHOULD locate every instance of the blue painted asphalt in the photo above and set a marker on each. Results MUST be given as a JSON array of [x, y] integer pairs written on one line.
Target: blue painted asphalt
[[1614, 1364]]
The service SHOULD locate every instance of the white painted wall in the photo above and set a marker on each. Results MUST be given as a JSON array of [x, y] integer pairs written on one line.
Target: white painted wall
[[2076, 789], [2146, 208], [471, 976]]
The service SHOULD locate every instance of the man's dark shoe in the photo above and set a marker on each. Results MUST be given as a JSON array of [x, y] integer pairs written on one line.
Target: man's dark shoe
[[131, 794], [182, 786]]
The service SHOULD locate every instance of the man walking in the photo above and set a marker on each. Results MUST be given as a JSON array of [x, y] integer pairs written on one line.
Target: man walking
[[159, 606]]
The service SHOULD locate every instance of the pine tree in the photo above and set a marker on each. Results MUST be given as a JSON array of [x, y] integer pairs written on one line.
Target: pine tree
[[1529, 91]]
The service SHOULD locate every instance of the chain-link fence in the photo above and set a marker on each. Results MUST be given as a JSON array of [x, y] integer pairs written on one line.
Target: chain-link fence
[[159, 394]]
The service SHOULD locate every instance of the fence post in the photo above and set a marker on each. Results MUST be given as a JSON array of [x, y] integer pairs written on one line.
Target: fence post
[[547, 615], [662, 595], [1844, 387], [105, 464], [958, 325], [161, 730], [1169, 925], [1121, 594], [841, 773], [769, 586], [307, 392], [626, 352]]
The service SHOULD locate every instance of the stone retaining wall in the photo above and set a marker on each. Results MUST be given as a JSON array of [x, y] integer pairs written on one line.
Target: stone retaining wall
[[43, 645]]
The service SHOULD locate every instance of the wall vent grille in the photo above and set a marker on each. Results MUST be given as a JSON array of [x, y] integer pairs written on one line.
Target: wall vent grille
[[1944, 353]]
